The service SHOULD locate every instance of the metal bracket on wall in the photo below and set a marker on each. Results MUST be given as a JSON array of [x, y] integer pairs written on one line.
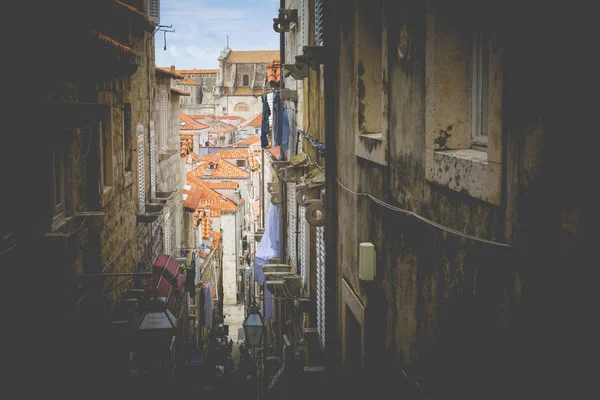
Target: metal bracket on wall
[[285, 19], [311, 56], [296, 71]]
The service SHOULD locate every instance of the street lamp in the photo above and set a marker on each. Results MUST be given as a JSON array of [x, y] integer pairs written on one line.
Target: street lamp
[[254, 327]]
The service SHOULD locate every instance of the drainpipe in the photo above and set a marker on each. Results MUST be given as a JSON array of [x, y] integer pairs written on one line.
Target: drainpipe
[[331, 75], [282, 194]]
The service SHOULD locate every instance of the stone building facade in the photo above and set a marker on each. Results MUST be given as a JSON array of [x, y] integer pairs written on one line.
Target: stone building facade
[[202, 83], [241, 79]]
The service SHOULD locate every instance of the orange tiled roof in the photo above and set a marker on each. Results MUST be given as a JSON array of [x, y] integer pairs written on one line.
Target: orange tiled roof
[[190, 124], [207, 197], [275, 151], [169, 72], [242, 91], [253, 163], [186, 145], [197, 71], [250, 140], [229, 154], [256, 121], [222, 185], [112, 43], [223, 129], [222, 170], [274, 71], [187, 81], [180, 91], [252, 56], [149, 24]]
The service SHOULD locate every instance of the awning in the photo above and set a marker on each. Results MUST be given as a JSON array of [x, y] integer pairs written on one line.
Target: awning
[[168, 268], [158, 320]]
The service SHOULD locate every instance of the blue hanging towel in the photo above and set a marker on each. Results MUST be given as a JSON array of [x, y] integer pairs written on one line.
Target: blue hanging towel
[[276, 116], [264, 127], [285, 132]]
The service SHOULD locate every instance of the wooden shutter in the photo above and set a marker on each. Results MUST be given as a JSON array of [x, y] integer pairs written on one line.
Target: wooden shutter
[[291, 203], [318, 22], [152, 161], [154, 11], [141, 170], [321, 284]]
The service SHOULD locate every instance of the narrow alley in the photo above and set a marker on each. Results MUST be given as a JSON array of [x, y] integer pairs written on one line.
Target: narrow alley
[[300, 199]]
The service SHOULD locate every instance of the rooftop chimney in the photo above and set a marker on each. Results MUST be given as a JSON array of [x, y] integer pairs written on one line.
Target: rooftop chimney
[[172, 68]]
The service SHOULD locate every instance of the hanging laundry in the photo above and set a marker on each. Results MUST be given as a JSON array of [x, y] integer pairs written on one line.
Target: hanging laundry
[[285, 131], [276, 116], [264, 127]]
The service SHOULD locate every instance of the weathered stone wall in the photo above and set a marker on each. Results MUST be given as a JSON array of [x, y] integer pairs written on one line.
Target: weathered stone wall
[[458, 315]]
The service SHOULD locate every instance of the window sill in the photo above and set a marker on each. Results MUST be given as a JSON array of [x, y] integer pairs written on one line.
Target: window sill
[[128, 178], [107, 195], [372, 147], [467, 171]]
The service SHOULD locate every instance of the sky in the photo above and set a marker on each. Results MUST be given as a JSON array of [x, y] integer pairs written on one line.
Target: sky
[[201, 29]]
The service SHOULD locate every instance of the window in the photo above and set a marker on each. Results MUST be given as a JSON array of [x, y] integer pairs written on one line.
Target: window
[[154, 11], [141, 172], [152, 160], [320, 242], [256, 131], [167, 233], [241, 163], [164, 124], [479, 91], [319, 22], [106, 150], [246, 80], [304, 25], [241, 107], [127, 133], [58, 182], [463, 105], [291, 223], [371, 77], [303, 247]]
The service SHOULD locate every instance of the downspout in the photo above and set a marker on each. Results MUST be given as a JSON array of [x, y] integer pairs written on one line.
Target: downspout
[[331, 38], [282, 194]]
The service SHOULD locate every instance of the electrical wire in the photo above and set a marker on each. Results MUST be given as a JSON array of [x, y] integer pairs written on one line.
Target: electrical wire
[[421, 218], [122, 247], [9, 249]]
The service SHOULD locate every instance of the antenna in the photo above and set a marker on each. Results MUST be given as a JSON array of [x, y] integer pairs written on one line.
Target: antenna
[[228, 40]]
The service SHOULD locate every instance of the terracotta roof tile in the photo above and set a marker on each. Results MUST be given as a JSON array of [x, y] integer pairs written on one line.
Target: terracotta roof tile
[[253, 56], [275, 151], [233, 154], [149, 24], [169, 72], [201, 197], [190, 124], [112, 43], [186, 145], [180, 92], [242, 91], [197, 71], [221, 185], [253, 162], [273, 71], [187, 81], [222, 170], [250, 140]]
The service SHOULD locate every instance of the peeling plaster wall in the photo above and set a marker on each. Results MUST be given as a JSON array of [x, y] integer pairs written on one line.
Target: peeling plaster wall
[[463, 317]]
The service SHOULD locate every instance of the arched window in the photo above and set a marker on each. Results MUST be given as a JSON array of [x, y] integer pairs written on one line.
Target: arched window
[[246, 80], [241, 107]]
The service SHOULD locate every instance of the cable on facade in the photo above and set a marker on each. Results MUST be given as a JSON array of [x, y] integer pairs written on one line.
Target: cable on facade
[[428, 221], [122, 247]]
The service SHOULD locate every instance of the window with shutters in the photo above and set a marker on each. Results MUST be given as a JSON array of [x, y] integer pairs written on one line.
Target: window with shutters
[[302, 246], [304, 25], [320, 243], [106, 154], [177, 229], [140, 167], [152, 160], [291, 223], [164, 123], [370, 43], [167, 233], [318, 22], [58, 182], [127, 138], [154, 11]]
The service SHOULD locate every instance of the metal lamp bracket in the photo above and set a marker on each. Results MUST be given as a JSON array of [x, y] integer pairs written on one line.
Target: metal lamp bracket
[[311, 56], [296, 71], [288, 94], [293, 174], [285, 19], [315, 212]]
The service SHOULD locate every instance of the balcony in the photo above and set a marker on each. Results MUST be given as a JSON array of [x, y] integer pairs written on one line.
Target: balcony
[[154, 207]]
